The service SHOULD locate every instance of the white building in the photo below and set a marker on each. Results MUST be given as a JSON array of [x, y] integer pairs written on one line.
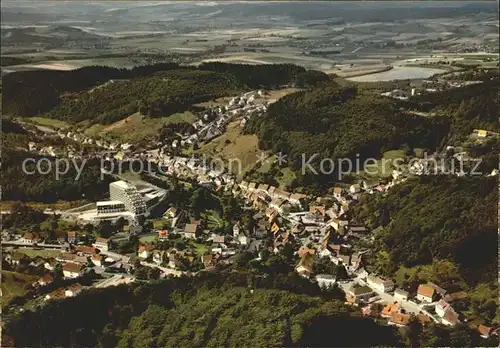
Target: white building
[[400, 295], [110, 207], [325, 281], [129, 195], [380, 284]]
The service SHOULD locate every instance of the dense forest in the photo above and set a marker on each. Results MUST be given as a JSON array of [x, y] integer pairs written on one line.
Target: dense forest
[[336, 122], [213, 310], [20, 186], [468, 108], [340, 122], [437, 217], [105, 94]]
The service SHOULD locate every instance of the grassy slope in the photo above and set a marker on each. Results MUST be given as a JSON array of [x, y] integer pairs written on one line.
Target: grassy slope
[[135, 128], [242, 148], [13, 284]]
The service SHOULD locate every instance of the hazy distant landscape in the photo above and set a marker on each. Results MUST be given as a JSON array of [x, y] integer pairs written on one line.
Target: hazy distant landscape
[[346, 38]]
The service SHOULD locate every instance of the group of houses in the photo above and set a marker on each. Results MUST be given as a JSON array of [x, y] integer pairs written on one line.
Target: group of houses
[[214, 121]]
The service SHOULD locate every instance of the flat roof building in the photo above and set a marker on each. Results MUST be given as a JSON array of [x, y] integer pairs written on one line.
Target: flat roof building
[[110, 207]]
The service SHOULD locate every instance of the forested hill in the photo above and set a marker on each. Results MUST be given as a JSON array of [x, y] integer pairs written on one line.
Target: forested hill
[[436, 218], [337, 122], [214, 310], [105, 95], [468, 108]]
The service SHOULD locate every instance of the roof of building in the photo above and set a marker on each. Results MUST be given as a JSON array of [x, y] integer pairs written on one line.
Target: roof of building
[[455, 296], [401, 292], [437, 288], [307, 261], [400, 318], [85, 249], [74, 287], [191, 228], [102, 240], [57, 294], [72, 267], [30, 235], [390, 309], [423, 318], [451, 317], [162, 233], [484, 330], [146, 247], [425, 290], [360, 290], [47, 278], [317, 209]]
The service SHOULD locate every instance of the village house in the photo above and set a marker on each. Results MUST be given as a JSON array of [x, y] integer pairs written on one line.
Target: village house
[[425, 293], [401, 295], [66, 257], [357, 231], [46, 280], [50, 264], [191, 231], [72, 237], [162, 235], [171, 212], [484, 331], [297, 199], [73, 290], [206, 259], [356, 188], [389, 310], [97, 259], [102, 244], [252, 187], [450, 318], [399, 319], [236, 229], [281, 194], [455, 296], [145, 251], [359, 294], [305, 266], [57, 294], [277, 204], [37, 262], [325, 281], [446, 312], [380, 284], [85, 250], [338, 192], [158, 256], [30, 238], [218, 239], [438, 290], [72, 270], [243, 239], [61, 236]]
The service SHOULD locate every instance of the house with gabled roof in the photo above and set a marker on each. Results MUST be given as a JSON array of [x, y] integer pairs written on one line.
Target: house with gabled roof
[[305, 267], [425, 293], [73, 290], [72, 270], [191, 231]]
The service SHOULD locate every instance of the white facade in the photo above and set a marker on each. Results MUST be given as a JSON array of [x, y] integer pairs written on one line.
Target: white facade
[[124, 192], [325, 280], [110, 207]]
